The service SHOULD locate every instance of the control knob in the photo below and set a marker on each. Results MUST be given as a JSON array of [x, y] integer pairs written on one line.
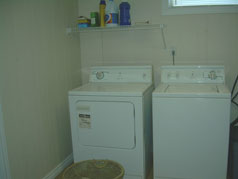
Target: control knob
[[212, 75], [100, 75]]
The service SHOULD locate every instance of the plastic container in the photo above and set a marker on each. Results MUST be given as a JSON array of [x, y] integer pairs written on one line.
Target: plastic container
[[125, 18], [94, 169], [102, 7], [83, 22], [111, 17], [94, 19], [83, 25]]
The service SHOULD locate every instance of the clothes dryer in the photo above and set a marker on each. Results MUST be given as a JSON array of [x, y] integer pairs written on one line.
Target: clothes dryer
[[111, 118], [191, 117]]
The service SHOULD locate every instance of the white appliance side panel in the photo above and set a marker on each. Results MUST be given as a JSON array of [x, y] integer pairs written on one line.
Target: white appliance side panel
[[105, 124], [4, 163], [148, 138], [191, 137]]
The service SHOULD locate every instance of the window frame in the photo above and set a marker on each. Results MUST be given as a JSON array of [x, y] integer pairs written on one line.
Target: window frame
[[167, 9]]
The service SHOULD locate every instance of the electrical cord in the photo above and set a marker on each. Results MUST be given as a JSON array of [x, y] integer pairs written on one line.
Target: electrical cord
[[173, 54], [163, 37]]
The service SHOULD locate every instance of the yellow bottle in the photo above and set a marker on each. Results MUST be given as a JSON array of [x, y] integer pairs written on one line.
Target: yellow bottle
[[102, 7]]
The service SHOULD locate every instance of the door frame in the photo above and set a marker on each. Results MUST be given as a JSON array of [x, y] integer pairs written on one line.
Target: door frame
[[4, 163]]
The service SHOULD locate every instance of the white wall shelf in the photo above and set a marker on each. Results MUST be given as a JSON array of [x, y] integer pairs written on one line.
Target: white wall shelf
[[70, 30], [118, 28]]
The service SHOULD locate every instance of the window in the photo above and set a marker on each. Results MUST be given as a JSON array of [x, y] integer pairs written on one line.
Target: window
[[176, 7], [177, 3]]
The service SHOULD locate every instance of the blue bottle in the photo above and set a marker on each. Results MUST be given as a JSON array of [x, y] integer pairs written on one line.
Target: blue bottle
[[125, 18]]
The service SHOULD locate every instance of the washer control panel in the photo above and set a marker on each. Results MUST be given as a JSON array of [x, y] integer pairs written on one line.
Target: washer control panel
[[121, 74], [192, 74]]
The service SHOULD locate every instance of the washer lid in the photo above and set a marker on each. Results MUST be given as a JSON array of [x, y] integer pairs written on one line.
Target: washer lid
[[111, 89], [192, 90]]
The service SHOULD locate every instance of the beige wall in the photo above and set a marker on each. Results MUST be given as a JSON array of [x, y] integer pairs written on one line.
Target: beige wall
[[39, 63], [206, 39]]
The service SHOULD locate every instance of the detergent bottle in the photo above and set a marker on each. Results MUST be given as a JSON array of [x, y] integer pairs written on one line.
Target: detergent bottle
[[111, 17], [125, 13], [102, 7]]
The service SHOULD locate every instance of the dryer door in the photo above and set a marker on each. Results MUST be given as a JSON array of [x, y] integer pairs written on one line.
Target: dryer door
[[105, 124]]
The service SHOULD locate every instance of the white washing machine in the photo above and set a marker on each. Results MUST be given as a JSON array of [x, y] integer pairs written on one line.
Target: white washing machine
[[191, 117], [111, 118]]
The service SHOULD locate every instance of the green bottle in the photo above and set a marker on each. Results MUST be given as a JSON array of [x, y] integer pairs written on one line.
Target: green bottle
[[94, 19]]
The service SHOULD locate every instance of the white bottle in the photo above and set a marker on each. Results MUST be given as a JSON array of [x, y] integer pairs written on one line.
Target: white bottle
[[111, 18]]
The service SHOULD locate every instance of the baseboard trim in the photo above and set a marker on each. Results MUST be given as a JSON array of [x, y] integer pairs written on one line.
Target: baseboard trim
[[59, 168]]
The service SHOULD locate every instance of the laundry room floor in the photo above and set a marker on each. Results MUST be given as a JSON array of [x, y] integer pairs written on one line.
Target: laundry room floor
[[60, 176]]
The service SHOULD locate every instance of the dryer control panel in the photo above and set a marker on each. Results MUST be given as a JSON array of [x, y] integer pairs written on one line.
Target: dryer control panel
[[192, 74], [121, 74]]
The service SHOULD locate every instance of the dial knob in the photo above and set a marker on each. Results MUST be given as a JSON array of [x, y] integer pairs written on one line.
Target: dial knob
[[212, 75], [100, 75]]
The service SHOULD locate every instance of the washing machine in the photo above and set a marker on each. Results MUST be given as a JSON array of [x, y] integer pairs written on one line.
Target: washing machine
[[191, 117], [111, 118]]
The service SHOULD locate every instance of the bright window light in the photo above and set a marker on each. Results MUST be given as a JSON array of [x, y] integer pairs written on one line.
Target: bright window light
[[179, 3]]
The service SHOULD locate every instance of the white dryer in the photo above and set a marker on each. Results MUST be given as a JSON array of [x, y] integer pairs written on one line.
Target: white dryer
[[111, 118], [191, 109]]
